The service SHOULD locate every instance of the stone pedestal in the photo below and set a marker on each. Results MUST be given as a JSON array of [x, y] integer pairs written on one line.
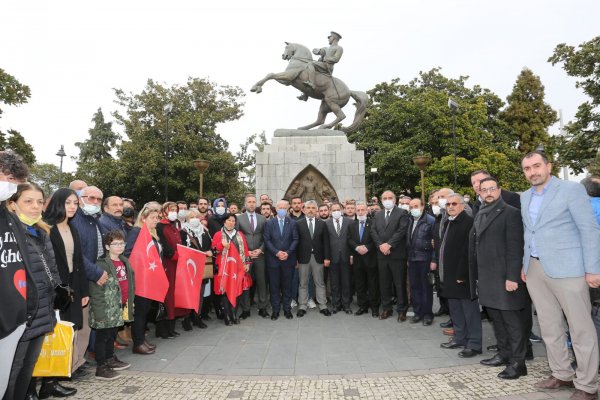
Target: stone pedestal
[[293, 152]]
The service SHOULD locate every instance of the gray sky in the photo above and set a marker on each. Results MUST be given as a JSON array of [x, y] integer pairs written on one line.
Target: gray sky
[[73, 53]]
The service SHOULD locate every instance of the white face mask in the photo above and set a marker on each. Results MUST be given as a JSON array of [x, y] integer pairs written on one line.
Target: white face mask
[[336, 214], [172, 216], [220, 210], [442, 202], [405, 207], [436, 209], [194, 223], [91, 209], [7, 189], [361, 218], [416, 212], [182, 214], [466, 199], [388, 204]]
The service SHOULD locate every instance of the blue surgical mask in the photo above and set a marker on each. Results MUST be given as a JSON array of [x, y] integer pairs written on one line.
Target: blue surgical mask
[[281, 213]]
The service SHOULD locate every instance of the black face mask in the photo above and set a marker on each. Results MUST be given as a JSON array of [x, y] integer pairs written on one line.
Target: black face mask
[[128, 212]]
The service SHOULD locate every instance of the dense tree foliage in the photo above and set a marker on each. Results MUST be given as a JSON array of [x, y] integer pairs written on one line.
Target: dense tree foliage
[[246, 158], [581, 144], [409, 119]]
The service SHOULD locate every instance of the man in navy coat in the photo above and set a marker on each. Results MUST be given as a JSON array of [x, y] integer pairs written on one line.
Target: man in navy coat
[[281, 240]]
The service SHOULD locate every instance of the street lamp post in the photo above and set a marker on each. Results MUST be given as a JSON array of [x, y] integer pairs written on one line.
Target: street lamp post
[[454, 108], [61, 153], [167, 112], [201, 166], [373, 172], [422, 161]]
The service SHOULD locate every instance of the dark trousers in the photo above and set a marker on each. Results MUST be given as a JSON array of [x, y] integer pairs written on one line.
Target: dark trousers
[[259, 277], [295, 284], [392, 275], [280, 281], [467, 322], [105, 344], [509, 328], [22, 368], [140, 315], [366, 279], [341, 280], [229, 311], [421, 292]]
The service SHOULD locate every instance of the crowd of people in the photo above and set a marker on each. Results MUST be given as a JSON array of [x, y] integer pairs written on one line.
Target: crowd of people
[[488, 258]]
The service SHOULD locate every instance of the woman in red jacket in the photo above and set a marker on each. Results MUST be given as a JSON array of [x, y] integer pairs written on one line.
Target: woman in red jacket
[[225, 238]]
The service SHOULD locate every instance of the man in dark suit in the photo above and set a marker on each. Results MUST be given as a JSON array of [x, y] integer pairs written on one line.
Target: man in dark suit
[[281, 240], [252, 225], [389, 230], [496, 244], [313, 249], [339, 262], [364, 262]]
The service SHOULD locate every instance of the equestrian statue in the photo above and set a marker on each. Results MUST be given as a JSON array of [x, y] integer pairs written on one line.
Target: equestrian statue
[[314, 79]]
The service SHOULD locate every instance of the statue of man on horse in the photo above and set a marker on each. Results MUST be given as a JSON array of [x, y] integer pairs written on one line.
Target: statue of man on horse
[[314, 79]]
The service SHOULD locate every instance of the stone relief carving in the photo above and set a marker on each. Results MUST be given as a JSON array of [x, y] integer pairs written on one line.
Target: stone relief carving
[[310, 184]]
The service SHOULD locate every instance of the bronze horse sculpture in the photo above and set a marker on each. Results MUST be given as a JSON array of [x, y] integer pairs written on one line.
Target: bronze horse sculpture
[[333, 93]]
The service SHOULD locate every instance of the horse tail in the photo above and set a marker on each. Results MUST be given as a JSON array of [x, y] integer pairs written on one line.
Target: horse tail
[[362, 99]]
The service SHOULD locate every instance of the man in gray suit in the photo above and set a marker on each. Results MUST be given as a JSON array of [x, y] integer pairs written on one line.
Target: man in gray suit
[[252, 225], [339, 265], [561, 259]]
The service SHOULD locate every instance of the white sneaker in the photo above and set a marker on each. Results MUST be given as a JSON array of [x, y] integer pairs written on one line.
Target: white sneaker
[[293, 304], [311, 304]]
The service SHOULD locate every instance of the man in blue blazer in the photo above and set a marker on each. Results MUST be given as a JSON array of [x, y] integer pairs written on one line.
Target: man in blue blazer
[[561, 259], [281, 240]]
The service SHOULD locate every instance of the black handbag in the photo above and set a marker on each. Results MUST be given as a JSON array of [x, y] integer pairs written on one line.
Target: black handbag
[[63, 294], [161, 313]]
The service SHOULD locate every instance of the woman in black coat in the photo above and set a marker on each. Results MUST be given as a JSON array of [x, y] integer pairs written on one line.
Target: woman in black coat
[[27, 203], [69, 261]]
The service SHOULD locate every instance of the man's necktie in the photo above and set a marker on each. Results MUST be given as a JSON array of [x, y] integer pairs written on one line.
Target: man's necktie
[[387, 217], [252, 223], [337, 227], [281, 226], [361, 230], [311, 228]]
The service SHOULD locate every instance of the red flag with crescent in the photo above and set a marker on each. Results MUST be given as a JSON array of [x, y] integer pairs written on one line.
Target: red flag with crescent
[[188, 278], [232, 274], [150, 278]]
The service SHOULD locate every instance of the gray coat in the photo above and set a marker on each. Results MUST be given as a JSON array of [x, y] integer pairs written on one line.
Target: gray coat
[[496, 248]]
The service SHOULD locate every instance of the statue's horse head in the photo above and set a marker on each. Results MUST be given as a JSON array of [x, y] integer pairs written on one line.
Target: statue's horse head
[[296, 51]]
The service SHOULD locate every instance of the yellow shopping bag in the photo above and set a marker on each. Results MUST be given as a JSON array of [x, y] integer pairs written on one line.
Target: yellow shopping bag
[[56, 357]]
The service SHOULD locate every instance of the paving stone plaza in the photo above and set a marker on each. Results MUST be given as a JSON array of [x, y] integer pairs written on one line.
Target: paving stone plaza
[[314, 357]]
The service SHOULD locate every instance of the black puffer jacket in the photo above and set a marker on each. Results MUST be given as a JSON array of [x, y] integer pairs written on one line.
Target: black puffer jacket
[[38, 246]]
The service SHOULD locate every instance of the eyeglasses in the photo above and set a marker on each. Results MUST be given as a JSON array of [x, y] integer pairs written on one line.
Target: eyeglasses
[[488, 190], [118, 244], [453, 204], [92, 198]]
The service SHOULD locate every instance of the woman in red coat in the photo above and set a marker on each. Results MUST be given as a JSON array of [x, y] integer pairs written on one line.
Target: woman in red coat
[[222, 241], [168, 233]]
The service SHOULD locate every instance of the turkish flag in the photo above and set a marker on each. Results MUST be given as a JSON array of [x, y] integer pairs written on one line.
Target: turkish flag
[[188, 278], [150, 278], [232, 274]]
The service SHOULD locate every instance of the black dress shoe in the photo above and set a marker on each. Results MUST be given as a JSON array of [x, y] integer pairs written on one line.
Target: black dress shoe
[[493, 347], [55, 389], [495, 361], [468, 353], [451, 345], [529, 354], [441, 311], [227, 322], [263, 313], [244, 314], [375, 313], [361, 311], [427, 321], [447, 324], [200, 324], [348, 310], [326, 312], [288, 314], [274, 316], [513, 371], [80, 373], [415, 320], [301, 313], [187, 324]]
